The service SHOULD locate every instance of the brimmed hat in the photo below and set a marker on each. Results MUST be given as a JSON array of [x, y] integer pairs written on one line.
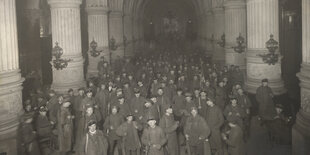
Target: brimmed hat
[[265, 80]]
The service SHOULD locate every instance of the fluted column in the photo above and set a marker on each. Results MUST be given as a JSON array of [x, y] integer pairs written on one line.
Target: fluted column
[[66, 30], [210, 32], [219, 29], [235, 24], [262, 20], [116, 32], [98, 32], [10, 79], [128, 34], [300, 131]]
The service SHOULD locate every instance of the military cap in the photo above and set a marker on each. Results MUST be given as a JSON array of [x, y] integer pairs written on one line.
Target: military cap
[[91, 122], [265, 80], [188, 94]]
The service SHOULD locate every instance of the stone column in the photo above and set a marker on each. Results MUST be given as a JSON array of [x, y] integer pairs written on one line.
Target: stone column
[[128, 34], [219, 30], [10, 79], [300, 131], [66, 30], [210, 33], [235, 24], [116, 32], [262, 20], [98, 32]]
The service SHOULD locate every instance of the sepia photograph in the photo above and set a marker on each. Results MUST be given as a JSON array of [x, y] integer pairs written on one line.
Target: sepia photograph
[[154, 77]]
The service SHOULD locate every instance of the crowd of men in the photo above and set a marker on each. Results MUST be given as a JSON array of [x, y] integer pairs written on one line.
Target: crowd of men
[[154, 104]]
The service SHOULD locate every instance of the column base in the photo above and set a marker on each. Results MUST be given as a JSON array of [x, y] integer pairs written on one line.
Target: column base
[[10, 111], [70, 77], [92, 70], [301, 135]]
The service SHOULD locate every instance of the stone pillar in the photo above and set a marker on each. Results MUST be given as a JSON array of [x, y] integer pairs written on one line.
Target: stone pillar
[[219, 30], [10, 79], [235, 24], [98, 32], [116, 32], [300, 131], [210, 33], [128, 34], [262, 20], [66, 30]]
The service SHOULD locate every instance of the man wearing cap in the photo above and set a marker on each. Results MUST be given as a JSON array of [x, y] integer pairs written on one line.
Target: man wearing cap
[[169, 125], [65, 127], [245, 104], [233, 112], [29, 138], [189, 104], [162, 100], [89, 100], [154, 86], [123, 106], [153, 138], [215, 120], [94, 142], [113, 121], [234, 139], [130, 139], [42, 123], [264, 97], [178, 104], [196, 131], [142, 88], [52, 106], [102, 99], [220, 96], [137, 104], [209, 89], [128, 91]]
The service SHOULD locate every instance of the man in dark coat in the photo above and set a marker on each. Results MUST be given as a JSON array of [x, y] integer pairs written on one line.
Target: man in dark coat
[[94, 141], [137, 104], [153, 138], [234, 140], [169, 125], [196, 131], [215, 120], [162, 100], [264, 97], [129, 132], [102, 99]]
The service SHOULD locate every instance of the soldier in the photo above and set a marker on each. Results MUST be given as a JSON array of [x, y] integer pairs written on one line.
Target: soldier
[[245, 104], [162, 100], [42, 124], [209, 89], [89, 100], [102, 99], [153, 138], [29, 137], [65, 127], [264, 97], [215, 120], [142, 88], [129, 132], [188, 103], [233, 112], [94, 141], [196, 132], [82, 124], [221, 96], [113, 121], [234, 139], [178, 104], [169, 126], [136, 105], [123, 106], [151, 109]]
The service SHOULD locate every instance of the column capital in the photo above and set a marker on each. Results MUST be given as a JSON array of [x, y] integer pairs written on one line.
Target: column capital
[[64, 4], [97, 10], [116, 14], [234, 4]]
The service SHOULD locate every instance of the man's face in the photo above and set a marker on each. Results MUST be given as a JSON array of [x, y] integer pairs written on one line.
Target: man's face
[[194, 112], [137, 94], [89, 111], [188, 98], [160, 91], [151, 123], [234, 102], [210, 103], [169, 110], [121, 100], [265, 83], [66, 104], [43, 113], [240, 91], [114, 111], [89, 94], [154, 99], [279, 110], [129, 118], [103, 86], [179, 93], [92, 128]]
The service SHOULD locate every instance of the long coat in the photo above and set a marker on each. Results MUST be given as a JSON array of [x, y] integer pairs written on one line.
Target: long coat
[[82, 128], [129, 132], [152, 137], [96, 144], [113, 120], [220, 97], [65, 128], [196, 127], [215, 120], [169, 125], [137, 105], [29, 140], [235, 141], [266, 107], [102, 99]]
